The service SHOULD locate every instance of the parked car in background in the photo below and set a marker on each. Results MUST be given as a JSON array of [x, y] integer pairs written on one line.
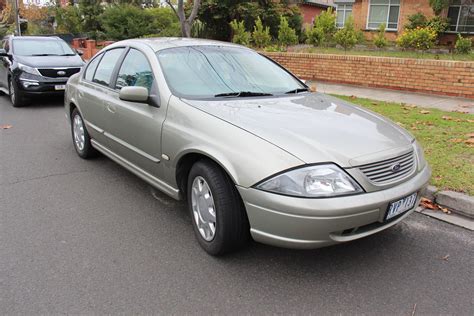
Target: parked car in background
[[31, 66], [245, 142]]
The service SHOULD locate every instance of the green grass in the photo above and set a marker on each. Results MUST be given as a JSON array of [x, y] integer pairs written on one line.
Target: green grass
[[447, 139], [385, 53]]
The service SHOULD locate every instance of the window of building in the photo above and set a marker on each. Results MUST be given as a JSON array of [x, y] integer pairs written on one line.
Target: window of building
[[461, 16], [343, 12], [383, 12]]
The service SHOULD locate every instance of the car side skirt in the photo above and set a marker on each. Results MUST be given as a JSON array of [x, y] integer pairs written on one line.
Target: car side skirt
[[153, 181]]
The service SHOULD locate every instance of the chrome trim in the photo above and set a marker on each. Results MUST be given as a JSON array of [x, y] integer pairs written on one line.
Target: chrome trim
[[95, 127], [132, 148], [152, 180]]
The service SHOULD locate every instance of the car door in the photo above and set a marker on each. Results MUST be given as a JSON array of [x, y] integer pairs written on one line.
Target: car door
[[4, 65], [94, 89], [133, 128]]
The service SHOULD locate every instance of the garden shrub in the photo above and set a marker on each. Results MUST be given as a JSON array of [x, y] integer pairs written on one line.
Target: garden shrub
[[347, 36], [463, 45], [314, 35], [416, 20], [326, 24], [126, 21], [286, 35], [68, 19], [421, 38], [438, 24], [261, 35], [379, 40], [241, 36]]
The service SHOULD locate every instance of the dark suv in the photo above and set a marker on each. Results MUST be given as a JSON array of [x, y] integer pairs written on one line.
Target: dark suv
[[33, 65]]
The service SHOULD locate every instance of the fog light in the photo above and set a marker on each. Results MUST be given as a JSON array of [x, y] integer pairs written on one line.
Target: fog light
[[28, 84]]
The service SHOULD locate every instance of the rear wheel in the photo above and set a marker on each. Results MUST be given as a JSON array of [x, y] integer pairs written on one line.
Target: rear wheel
[[80, 136], [16, 96], [219, 219]]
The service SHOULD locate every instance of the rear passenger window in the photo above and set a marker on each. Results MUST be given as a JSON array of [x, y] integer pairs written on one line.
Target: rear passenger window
[[135, 71], [91, 68], [106, 66]]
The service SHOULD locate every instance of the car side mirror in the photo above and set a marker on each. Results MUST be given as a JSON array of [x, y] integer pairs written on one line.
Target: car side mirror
[[134, 94]]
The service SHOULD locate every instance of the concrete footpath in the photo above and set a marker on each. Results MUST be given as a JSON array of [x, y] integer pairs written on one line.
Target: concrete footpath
[[422, 100]]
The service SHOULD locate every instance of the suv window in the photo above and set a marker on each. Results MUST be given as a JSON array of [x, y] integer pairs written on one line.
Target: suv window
[[91, 68], [135, 71], [106, 66]]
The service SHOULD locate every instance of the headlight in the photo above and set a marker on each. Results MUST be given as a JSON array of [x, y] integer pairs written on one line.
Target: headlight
[[419, 155], [29, 69], [315, 181]]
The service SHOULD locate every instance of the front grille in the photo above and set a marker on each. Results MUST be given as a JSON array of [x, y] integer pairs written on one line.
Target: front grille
[[383, 172], [63, 72]]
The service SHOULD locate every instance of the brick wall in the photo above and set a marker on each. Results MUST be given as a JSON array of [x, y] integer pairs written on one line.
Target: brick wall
[[453, 78]]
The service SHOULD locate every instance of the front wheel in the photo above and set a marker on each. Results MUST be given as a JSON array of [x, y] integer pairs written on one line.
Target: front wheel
[[80, 136], [219, 219], [16, 96]]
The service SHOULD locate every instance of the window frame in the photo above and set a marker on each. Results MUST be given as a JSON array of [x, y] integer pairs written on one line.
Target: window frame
[[399, 5], [345, 10], [99, 57], [115, 74], [460, 6]]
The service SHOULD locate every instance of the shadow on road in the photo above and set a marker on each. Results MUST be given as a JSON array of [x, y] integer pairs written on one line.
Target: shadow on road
[[44, 102]]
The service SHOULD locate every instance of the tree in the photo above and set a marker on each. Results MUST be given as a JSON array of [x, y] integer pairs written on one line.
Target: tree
[[261, 35], [186, 23], [347, 36], [379, 40], [91, 11], [241, 36], [286, 35]]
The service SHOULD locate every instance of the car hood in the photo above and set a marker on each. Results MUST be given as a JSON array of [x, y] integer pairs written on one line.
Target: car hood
[[50, 61], [314, 127]]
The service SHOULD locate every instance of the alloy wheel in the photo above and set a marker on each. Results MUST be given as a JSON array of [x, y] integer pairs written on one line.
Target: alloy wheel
[[204, 210], [78, 132]]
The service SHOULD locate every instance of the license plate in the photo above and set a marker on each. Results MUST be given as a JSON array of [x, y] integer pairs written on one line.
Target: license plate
[[401, 206], [60, 87]]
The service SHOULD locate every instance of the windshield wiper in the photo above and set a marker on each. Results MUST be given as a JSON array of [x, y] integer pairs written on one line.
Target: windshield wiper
[[67, 54], [45, 55], [297, 90], [243, 94]]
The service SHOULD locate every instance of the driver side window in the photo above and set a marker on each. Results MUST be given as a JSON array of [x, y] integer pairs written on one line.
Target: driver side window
[[135, 71]]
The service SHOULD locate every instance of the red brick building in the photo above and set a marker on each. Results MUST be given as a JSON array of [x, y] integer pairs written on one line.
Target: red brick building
[[312, 8], [369, 14]]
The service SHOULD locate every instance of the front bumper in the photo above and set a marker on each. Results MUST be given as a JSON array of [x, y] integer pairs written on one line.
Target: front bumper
[[32, 85], [312, 223]]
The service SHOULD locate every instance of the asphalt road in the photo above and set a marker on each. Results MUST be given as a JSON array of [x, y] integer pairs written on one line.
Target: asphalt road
[[82, 236]]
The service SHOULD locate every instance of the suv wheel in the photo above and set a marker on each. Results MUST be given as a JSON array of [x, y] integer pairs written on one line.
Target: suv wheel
[[80, 136], [219, 219], [16, 97]]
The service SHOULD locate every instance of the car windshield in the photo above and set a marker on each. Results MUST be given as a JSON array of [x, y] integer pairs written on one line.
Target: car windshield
[[34, 47], [214, 71]]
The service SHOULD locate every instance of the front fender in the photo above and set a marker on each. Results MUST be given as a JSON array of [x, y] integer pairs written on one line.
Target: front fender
[[247, 158]]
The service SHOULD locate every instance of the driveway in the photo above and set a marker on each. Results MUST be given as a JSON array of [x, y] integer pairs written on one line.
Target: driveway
[[82, 236]]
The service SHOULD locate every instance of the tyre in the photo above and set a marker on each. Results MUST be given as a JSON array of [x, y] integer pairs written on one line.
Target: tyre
[[218, 215], [80, 136], [16, 96]]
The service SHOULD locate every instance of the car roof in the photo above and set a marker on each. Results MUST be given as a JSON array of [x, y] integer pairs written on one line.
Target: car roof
[[160, 43], [39, 38]]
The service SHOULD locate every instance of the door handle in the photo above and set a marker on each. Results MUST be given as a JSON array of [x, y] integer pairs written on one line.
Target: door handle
[[110, 107]]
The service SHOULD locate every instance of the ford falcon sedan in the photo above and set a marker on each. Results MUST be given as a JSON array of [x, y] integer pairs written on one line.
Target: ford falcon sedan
[[255, 153]]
